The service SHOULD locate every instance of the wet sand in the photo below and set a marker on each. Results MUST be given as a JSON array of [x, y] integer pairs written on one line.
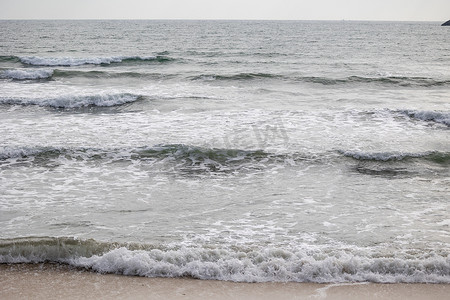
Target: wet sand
[[52, 281]]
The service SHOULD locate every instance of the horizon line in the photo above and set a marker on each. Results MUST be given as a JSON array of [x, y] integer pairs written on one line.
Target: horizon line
[[210, 19]]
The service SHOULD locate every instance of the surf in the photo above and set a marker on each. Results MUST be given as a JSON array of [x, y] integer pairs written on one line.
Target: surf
[[79, 61], [295, 263], [428, 116], [74, 101], [26, 74]]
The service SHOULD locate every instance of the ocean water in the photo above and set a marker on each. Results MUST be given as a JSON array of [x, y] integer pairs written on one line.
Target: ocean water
[[248, 151]]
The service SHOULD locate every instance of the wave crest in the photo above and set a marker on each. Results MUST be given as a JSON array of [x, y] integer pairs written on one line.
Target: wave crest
[[200, 159], [389, 80], [23, 74], [181, 151], [434, 156], [240, 76], [189, 160], [301, 263], [74, 101], [78, 61], [9, 58], [9, 152], [429, 116]]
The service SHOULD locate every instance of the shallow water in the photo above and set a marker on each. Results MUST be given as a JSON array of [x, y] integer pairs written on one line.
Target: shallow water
[[231, 150]]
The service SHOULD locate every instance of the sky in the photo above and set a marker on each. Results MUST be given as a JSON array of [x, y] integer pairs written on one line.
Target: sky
[[376, 10]]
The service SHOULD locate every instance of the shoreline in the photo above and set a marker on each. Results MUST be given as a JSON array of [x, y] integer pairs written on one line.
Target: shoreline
[[51, 281]]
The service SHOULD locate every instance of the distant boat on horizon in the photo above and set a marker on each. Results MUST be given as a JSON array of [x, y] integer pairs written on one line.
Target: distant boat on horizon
[[446, 23]]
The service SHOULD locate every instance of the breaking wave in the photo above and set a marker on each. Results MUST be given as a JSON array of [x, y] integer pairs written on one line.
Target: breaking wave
[[433, 156], [192, 160], [78, 61], [26, 74], [429, 116], [240, 76], [177, 159], [176, 151], [73, 101], [38, 74], [102, 74], [183, 158], [300, 263], [389, 80]]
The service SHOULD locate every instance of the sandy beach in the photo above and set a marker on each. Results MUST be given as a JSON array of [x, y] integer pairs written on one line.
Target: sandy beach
[[51, 281]]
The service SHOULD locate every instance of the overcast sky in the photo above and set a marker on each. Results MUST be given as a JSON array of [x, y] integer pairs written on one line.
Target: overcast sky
[[395, 10]]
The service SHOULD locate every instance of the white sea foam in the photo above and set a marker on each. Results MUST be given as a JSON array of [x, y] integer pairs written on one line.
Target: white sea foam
[[263, 265], [77, 61], [24, 74], [74, 101], [269, 265]]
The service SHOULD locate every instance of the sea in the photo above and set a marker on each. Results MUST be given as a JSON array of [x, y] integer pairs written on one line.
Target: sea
[[245, 151]]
